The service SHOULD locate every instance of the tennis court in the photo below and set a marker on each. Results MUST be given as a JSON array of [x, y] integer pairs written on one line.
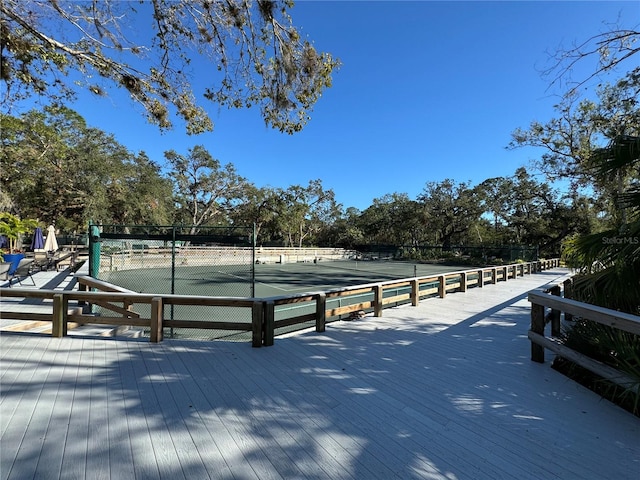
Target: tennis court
[[267, 280], [270, 279], [283, 279]]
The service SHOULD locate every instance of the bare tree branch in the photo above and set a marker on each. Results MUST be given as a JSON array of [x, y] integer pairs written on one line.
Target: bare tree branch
[[612, 49]]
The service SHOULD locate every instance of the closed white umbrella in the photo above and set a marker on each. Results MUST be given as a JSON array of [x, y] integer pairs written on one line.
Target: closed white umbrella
[[51, 244]]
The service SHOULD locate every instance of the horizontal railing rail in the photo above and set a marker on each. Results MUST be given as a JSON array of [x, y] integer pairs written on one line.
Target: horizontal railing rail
[[266, 314], [552, 298]]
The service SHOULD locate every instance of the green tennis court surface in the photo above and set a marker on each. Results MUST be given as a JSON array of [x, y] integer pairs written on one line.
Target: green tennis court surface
[[282, 279], [270, 279]]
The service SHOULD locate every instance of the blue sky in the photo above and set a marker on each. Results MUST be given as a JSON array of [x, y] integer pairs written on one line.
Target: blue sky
[[426, 91]]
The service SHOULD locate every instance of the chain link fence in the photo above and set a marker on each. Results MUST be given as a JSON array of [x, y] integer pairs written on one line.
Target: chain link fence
[[486, 254], [181, 260]]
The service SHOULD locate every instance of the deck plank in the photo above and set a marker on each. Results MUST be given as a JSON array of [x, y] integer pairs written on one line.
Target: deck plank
[[49, 462], [445, 390], [74, 460]]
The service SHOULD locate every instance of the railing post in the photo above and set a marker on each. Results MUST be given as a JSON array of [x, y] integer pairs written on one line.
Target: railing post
[[505, 273], [481, 278], [257, 317], [568, 293], [81, 288], [415, 292], [494, 275], [463, 282], [377, 306], [156, 335], [537, 326], [555, 314], [442, 286], [321, 311], [269, 323], [59, 321]]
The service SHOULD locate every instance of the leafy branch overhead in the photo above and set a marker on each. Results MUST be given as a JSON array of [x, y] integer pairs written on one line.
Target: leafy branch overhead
[[254, 57]]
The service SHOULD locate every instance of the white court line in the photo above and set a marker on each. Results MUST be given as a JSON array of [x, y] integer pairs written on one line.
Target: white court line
[[282, 289]]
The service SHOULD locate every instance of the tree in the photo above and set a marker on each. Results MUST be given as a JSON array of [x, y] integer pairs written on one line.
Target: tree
[[345, 231], [259, 207], [140, 195], [13, 228], [570, 139], [393, 219], [540, 215], [609, 261], [451, 209], [612, 48], [496, 195], [57, 169], [253, 53], [305, 211], [205, 190]]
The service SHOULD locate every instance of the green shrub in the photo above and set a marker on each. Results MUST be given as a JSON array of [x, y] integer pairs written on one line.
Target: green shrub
[[613, 347]]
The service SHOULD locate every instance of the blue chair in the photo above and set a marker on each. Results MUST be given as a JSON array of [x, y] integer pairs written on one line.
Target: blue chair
[[23, 270]]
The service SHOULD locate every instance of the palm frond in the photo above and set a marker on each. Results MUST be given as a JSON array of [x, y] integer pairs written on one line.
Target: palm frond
[[622, 151]]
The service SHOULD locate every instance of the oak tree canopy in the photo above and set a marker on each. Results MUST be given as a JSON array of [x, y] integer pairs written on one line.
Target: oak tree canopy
[[253, 56]]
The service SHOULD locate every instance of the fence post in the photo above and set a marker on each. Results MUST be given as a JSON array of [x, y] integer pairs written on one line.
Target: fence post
[[269, 322], [81, 288], [494, 275], [568, 293], [377, 307], [481, 278], [415, 292], [463, 282], [321, 311], [555, 314], [505, 273], [442, 286], [156, 334], [537, 326], [257, 314], [59, 320]]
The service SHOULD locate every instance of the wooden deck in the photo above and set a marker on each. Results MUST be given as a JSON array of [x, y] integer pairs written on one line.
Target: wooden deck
[[445, 390]]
